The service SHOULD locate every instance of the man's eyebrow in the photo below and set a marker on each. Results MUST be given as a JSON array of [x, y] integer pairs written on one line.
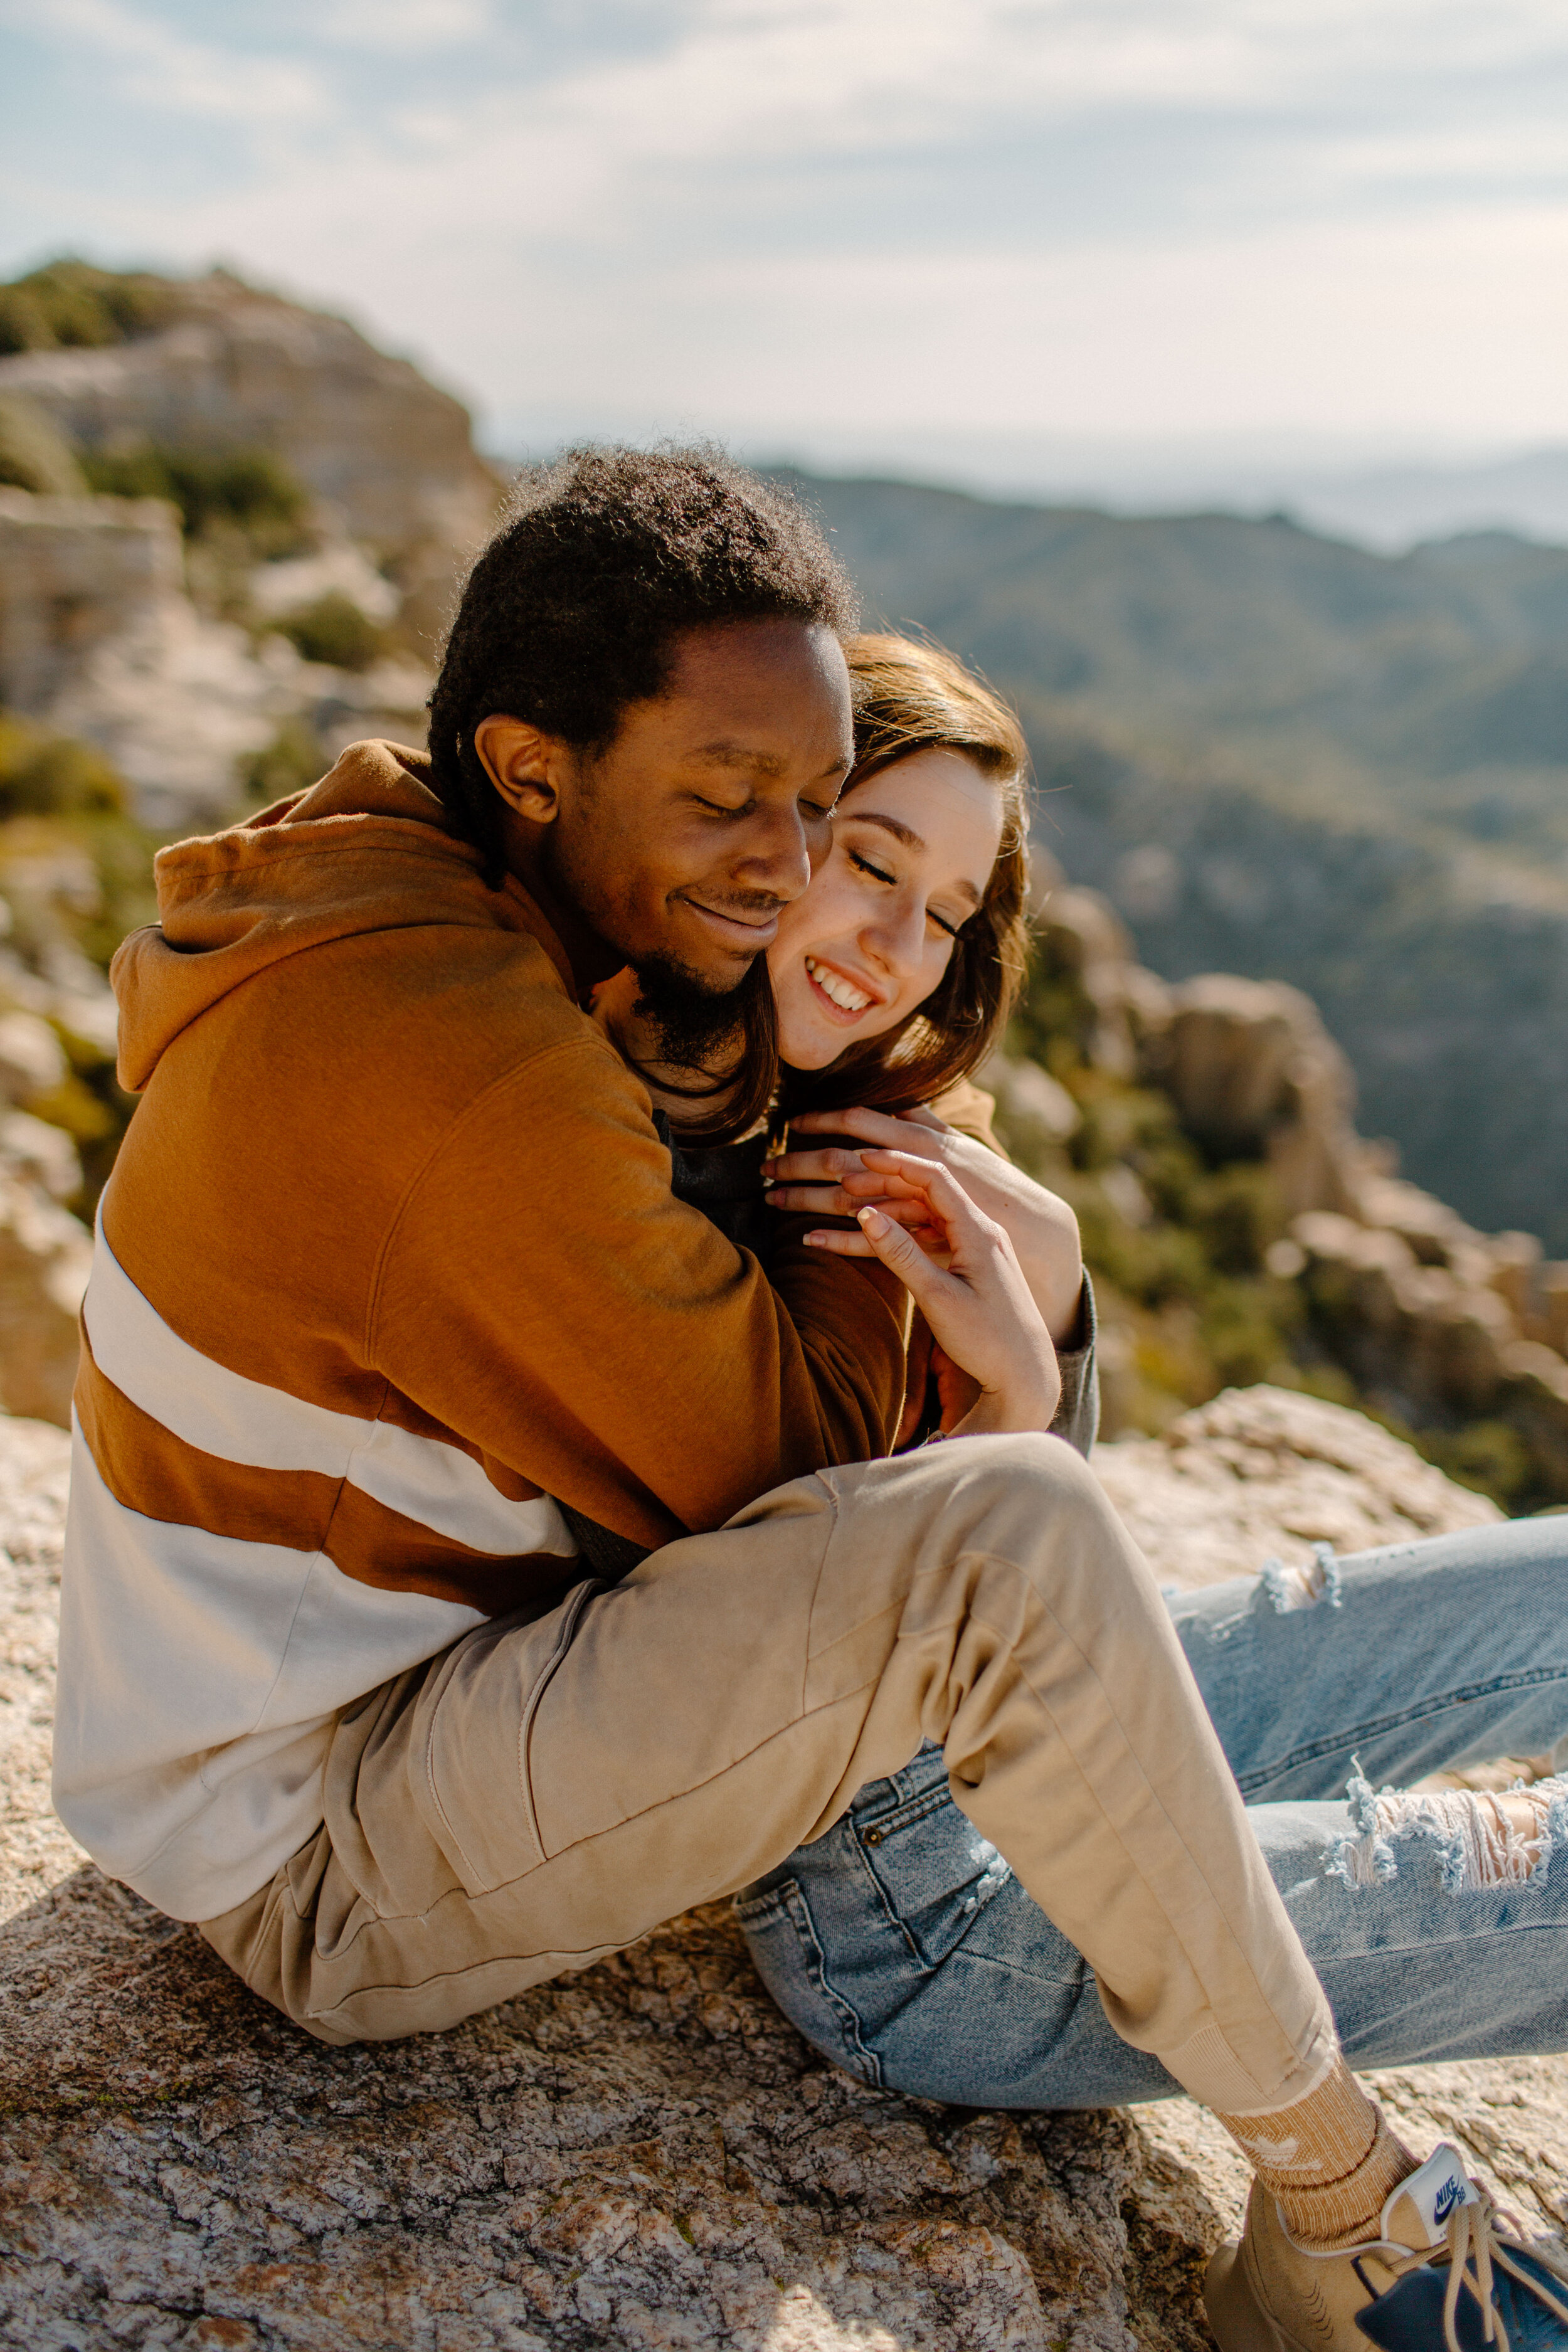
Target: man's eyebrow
[[908, 836], [725, 754]]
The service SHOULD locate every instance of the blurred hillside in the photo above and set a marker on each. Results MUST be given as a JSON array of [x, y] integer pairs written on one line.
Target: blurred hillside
[[1295, 758]]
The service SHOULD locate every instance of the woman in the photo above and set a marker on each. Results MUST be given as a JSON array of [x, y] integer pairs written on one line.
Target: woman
[[899, 1942], [891, 979]]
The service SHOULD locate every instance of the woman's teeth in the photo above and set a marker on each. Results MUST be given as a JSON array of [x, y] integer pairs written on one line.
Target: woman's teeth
[[848, 998]]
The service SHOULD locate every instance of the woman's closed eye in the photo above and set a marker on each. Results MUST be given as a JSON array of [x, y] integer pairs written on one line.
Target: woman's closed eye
[[881, 874]]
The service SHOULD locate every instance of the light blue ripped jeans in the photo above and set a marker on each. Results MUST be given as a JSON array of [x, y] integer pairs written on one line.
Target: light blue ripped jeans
[[904, 1947]]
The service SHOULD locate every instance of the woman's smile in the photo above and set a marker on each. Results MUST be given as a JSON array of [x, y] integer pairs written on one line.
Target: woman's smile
[[839, 994]]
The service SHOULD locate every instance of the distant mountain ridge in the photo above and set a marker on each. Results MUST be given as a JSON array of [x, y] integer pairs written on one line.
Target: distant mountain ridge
[[1285, 756]]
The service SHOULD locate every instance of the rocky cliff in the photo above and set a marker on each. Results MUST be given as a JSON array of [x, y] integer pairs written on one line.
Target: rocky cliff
[[644, 2155], [313, 502], [215, 365], [1241, 1228]]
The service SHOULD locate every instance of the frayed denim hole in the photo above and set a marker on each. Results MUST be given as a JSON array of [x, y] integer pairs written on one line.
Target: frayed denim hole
[[1361, 1858], [1450, 1858], [1271, 1586], [1284, 1590], [1331, 1595], [1554, 1832], [993, 1876], [1473, 1854]]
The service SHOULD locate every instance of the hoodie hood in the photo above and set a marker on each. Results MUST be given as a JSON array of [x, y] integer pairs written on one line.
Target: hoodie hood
[[366, 849]]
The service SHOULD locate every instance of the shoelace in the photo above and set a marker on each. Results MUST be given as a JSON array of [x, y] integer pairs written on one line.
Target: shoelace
[[1473, 2238]]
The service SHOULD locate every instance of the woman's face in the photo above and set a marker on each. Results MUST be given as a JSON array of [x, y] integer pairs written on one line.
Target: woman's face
[[912, 851]]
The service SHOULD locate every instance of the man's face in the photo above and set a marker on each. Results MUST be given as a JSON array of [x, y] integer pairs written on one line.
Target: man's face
[[678, 845]]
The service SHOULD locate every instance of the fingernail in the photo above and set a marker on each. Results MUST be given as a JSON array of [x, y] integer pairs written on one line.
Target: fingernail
[[870, 1221]]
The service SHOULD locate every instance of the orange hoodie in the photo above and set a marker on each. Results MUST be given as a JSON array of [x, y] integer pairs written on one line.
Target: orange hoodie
[[389, 1266]]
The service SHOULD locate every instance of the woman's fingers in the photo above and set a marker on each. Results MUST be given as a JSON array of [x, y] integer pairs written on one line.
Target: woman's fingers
[[905, 1172], [866, 1126], [832, 1200], [849, 1192], [824, 1167], [902, 1254]]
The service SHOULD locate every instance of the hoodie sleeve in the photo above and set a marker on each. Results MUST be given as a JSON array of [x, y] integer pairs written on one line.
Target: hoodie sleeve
[[543, 1293]]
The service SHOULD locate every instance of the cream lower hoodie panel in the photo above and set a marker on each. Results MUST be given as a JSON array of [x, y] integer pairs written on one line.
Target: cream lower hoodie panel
[[200, 1678]]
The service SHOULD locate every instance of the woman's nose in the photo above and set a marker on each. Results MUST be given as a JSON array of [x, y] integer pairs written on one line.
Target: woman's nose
[[896, 940]]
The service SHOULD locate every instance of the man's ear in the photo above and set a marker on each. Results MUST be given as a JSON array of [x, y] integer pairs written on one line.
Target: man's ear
[[524, 766]]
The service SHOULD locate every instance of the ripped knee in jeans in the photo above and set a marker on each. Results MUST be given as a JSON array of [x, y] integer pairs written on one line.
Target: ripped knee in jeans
[[1482, 1840], [1318, 1584]]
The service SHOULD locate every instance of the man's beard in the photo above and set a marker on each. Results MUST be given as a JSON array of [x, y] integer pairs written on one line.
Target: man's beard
[[697, 1026]]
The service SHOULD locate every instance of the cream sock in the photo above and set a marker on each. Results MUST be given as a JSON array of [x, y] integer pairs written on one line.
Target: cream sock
[[1330, 2160]]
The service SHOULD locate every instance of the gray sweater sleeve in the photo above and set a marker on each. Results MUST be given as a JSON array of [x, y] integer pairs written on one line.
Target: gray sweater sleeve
[[1078, 1415]]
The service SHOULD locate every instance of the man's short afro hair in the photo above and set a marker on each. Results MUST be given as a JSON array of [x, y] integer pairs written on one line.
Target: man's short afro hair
[[600, 562]]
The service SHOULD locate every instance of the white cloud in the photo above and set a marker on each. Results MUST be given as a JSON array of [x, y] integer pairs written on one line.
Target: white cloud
[[401, 27], [166, 72], [1431, 328], [1221, 213]]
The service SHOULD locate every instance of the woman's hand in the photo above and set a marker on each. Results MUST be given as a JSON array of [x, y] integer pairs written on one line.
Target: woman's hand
[[839, 1181], [983, 1318]]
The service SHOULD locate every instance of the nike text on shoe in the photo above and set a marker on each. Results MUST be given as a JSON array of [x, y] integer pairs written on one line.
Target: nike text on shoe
[[1443, 2273]]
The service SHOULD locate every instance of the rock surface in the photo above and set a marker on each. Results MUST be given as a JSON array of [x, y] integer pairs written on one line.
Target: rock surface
[[644, 2155], [241, 368], [46, 1257], [1436, 1324], [1264, 1472], [99, 639]]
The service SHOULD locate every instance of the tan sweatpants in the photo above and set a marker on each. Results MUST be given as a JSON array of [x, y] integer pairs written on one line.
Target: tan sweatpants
[[546, 1792]]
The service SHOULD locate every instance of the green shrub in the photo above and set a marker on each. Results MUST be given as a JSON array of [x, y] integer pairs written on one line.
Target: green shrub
[[1487, 1455], [71, 302], [1179, 1255], [75, 866], [35, 454], [247, 489], [333, 629], [44, 774], [295, 758]]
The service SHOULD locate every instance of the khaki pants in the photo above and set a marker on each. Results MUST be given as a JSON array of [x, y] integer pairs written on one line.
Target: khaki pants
[[546, 1792]]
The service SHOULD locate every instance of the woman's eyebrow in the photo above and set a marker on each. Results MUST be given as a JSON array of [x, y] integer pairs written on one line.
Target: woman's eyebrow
[[908, 836], [893, 825]]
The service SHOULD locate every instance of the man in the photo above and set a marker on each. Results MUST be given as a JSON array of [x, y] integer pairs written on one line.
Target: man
[[390, 1281]]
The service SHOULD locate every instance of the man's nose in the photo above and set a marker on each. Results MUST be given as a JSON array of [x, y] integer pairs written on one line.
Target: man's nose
[[776, 854]]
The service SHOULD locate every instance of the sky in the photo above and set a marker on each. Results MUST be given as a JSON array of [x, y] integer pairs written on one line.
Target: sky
[[857, 230]]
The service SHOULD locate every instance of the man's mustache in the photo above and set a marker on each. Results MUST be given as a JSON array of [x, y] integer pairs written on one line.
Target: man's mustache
[[745, 905]]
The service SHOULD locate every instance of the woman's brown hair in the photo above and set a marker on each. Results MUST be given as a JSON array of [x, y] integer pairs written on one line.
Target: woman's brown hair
[[911, 695]]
